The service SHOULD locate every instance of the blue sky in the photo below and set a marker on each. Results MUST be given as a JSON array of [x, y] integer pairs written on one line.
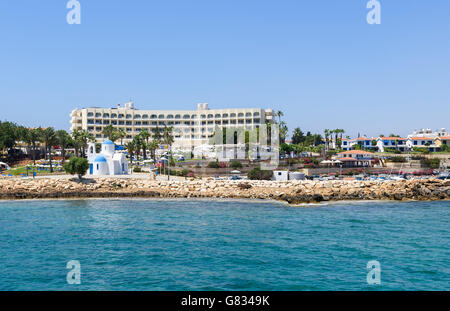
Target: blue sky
[[317, 61]]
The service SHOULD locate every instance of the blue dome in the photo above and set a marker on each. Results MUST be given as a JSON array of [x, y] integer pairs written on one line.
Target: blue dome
[[108, 142], [100, 158]]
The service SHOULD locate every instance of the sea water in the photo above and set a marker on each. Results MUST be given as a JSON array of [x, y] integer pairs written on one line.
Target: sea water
[[150, 244]]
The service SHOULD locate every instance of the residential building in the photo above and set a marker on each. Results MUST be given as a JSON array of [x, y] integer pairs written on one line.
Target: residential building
[[191, 127], [397, 143], [356, 158], [363, 142]]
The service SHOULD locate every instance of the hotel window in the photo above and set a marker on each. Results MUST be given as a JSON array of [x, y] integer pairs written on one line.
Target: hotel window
[[203, 122], [224, 122], [114, 122], [128, 136], [98, 135], [137, 123], [106, 122], [153, 116], [186, 116], [128, 129], [385, 142], [170, 122], [128, 123], [91, 121], [240, 115], [248, 121], [256, 120], [90, 114], [248, 114], [225, 115], [145, 116], [415, 142], [344, 143], [121, 123], [211, 122], [161, 116], [210, 116], [217, 115], [392, 142], [169, 116], [177, 116], [256, 114], [120, 116], [98, 115], [232, 115], [137, 117], [233, 121], [129, 116], [194, 116], [113, 115], [240, 121], [106, 115], [144, 122], [187, 123]]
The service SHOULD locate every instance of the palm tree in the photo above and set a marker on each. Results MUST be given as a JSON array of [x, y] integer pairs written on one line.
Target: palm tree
[[279, 114], [327, 133], [341, 131], [283, 131], [80, 140], [145, 136], [131, 146], [157, 135], [121, 134], [33, 137], [138, 142], [63, 139], [153, 146], [49, 139], [110, 132]]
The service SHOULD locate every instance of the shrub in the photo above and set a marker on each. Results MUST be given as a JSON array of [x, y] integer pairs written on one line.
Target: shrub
[[137, 169], [431, 163], [184, 172], [236, 164], [258, 174], [213, 165], [397, 159], [77, 166]]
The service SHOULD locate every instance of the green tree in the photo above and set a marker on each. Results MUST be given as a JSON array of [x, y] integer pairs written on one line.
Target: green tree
[[152, 147], [298, 136], [49, 139], [131, 148], [145, 135], [111, 132], [64, 140], [76, 166]]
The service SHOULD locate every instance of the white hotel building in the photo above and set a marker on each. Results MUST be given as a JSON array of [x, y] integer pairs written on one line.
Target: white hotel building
[[191, 127]]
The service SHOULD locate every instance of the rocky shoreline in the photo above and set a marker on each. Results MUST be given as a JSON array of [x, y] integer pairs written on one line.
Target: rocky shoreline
[[292, 192]]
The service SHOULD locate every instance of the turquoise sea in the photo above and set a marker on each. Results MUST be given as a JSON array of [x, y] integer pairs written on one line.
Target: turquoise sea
[[223, 245]]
